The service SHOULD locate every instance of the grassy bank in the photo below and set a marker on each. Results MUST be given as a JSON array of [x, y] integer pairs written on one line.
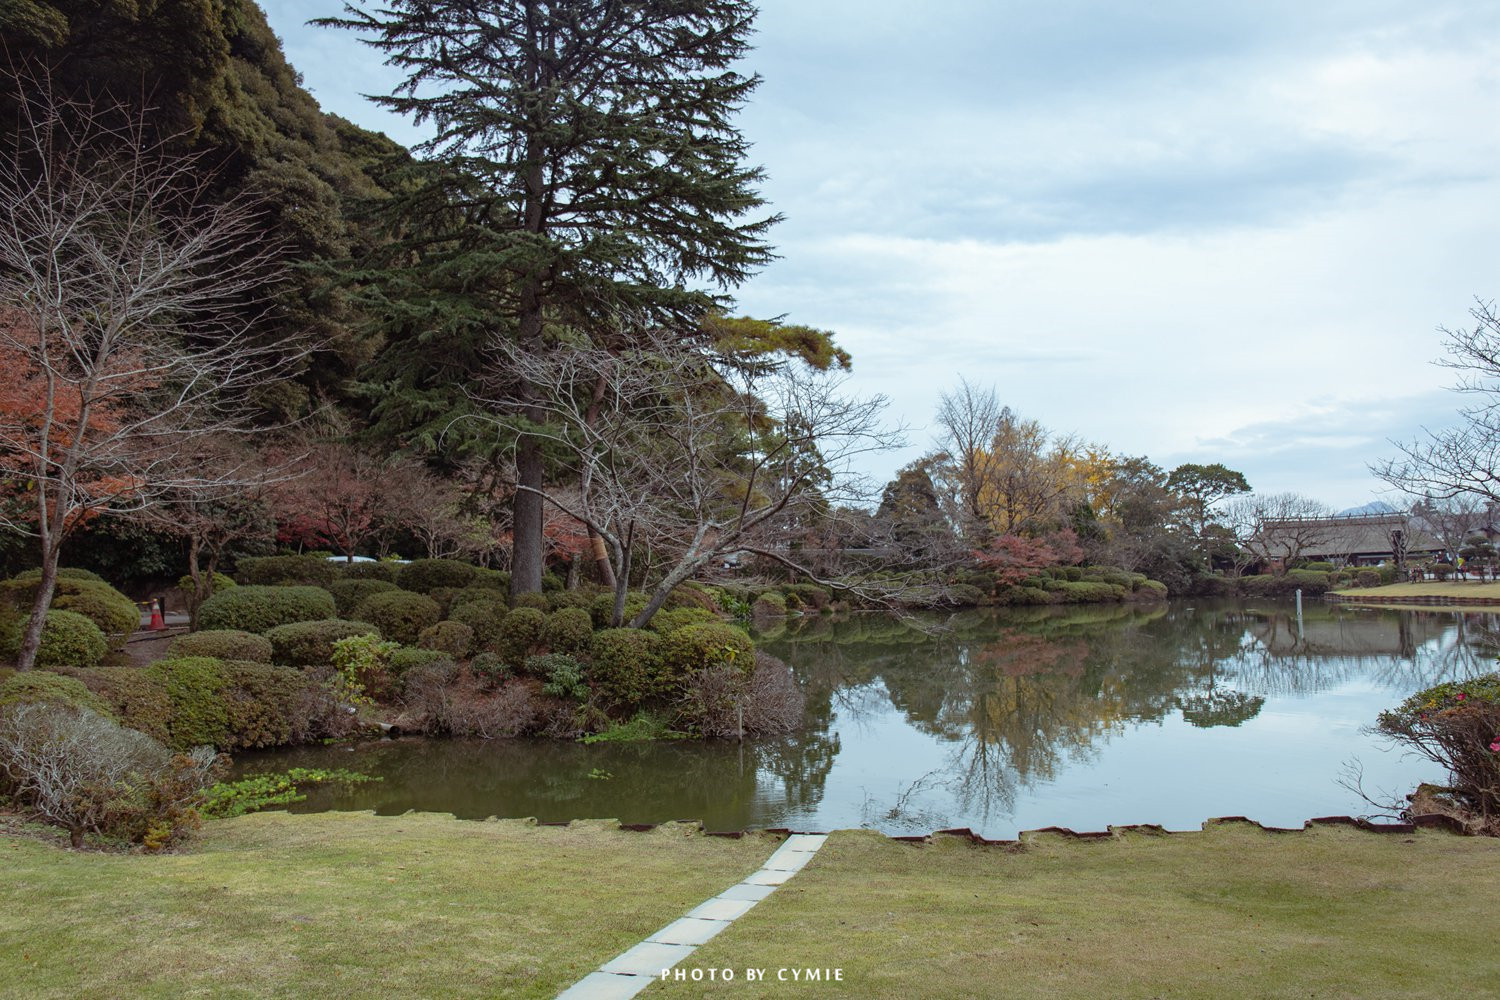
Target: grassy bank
[[1229, 912], [353, 905], [350, 905], [1429, 588]]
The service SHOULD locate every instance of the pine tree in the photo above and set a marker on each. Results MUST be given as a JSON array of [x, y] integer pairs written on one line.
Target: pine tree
[[602, 174]]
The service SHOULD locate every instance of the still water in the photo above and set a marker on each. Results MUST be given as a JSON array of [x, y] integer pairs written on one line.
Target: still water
[[999, 721]]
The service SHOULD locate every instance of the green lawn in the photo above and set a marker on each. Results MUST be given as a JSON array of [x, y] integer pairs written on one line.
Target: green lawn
[[350, 905], [1456, 589], [1232, 912]]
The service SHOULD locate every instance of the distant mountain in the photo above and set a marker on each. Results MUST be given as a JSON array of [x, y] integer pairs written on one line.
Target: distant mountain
[[1373, 507]]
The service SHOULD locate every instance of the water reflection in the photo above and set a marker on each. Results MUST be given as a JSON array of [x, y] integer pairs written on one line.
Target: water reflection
[[996, 720]]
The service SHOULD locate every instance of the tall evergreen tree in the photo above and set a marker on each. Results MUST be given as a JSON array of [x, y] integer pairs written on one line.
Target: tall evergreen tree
[[607, 174]]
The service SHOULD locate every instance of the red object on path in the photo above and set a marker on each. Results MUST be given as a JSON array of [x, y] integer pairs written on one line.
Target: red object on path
[[157, 622]]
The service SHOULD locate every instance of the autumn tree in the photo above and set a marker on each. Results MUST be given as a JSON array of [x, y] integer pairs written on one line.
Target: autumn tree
[[589, 170], [333, 496], [123, 322]]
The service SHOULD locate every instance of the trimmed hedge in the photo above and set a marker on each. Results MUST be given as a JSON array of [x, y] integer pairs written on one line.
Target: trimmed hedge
[[286, 570], [485, 618], [195, 687], [63, 573], [406, 659], [626, 666], [664, 622], [223, 644], [602, 606], [41, 686], [310, 644], [424, 575], [349, 594], [538, 602], [400, 615], [569, 630], [476, 595], [116, 615], [520, 635], [138, 699], [255, 608], [385, 571], [695, 648], [70, 640], [450, 638]]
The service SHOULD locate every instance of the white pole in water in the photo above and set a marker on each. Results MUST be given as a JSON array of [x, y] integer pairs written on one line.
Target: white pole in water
[[1299, 615]]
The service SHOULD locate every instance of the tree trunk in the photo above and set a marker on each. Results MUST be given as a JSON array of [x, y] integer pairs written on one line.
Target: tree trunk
[[31, 636], [526, 528], [596, 544]]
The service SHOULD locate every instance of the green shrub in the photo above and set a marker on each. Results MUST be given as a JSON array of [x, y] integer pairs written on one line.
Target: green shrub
[[768, 606], [552, 582], [1367, 578], [492, 579], [563, 676], [1317, 567], [560, 599], [35, 686], [399, 615], [1152, 589], [444, 597], [362, 668], [450, 638], [70, 640], [349, 594], [406, 659], [424, 575], [569, 630], [384, 571], [695, 648], [1308, 581], [217, 582], [539, 602], [691, 595], [116, 615], [490, 668], [603, 606], [520, 635], [476, 595], [256, 608], [810, 594], [270, 571], [1091, 592], [1457, 725], [195, 686], [664, 622], [310, 644], [626, 666], [485, 618], [223, 644], [267, 706], [63, 573], [965, 595], [137, 698]]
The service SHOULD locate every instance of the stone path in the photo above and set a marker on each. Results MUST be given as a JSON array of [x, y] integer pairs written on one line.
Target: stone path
[[633, 970]]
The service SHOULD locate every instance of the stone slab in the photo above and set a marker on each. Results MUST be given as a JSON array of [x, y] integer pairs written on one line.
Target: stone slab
[[647, 959], [768, 876], [787, 861], [721, 908], [688, 930], [603, 986], [744, 890], [804, 842]]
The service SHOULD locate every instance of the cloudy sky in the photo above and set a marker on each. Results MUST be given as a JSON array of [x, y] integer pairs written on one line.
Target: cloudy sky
[[1207, 232]]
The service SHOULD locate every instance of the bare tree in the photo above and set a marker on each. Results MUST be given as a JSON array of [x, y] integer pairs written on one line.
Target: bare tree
[[968, 416], [1462, 460], [126, 306], [1453, 521], [1279, 528], [695, 455]]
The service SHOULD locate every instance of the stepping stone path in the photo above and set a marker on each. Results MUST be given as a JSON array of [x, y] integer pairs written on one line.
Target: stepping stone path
[[633, 970]]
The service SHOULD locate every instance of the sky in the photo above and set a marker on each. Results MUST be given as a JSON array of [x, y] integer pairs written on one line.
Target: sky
[[1199, 232]]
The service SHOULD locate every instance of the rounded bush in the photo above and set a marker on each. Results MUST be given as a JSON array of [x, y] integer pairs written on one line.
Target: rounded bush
[[407, 659], [40, 686], [559, 599], [1367, 578], [449, 638], [664, 622], [490, 668], [551, 582], [485, 618], [70, 640], [539, 602], [492, 579], [257, 608], [268, 706], [570, 630], [138, 699], [424, 575], [217, 582], [195, 687], [116, 615], [626, 666], [695, 648], [475, 595], [603, 606], [520, 635], [223, 644], [349, 594], [368, 571], [63, 573], [810, 594], [965, 595], [400, 615], [310, 644], [286, 570], [1153, 589]]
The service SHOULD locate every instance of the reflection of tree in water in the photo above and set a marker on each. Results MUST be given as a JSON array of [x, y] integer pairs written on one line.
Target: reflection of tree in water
[[1219, 707]]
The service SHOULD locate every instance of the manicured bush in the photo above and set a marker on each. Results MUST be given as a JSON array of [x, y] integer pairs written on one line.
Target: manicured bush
[[476, 595], [485, 618], [362, 668], [569, 630], [491, 669], [664, 622], [407, 659], [603, 606], [270, 706], [217, 583], [965, 595], [423, 575], [1308, 581], [385, 571], [768, 605], [257, 608], [540, 602], [223, 644], [563, 675], [310, 644], [70, 640], [63, 573], [195, 686], [116, 615], [450, 638], [1317, 567], [1152, 590], [520, 635], [1367, 578], [626, 666], [1091, 592], [695, 648], [810, 594], [399, 615], [491, 579], [559, 599], [273, 571], [36, 686], [444, 597], [349, 594], [551, 582]]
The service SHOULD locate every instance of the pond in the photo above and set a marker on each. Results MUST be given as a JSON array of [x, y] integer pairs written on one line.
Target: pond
[[999, 721]]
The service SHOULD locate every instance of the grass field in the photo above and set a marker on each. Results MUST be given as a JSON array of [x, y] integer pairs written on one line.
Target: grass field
[[1232, 912], [354, 905], [1456, 589]]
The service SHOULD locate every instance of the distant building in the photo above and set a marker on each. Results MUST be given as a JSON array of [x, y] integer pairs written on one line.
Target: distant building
[[1360, 540]]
